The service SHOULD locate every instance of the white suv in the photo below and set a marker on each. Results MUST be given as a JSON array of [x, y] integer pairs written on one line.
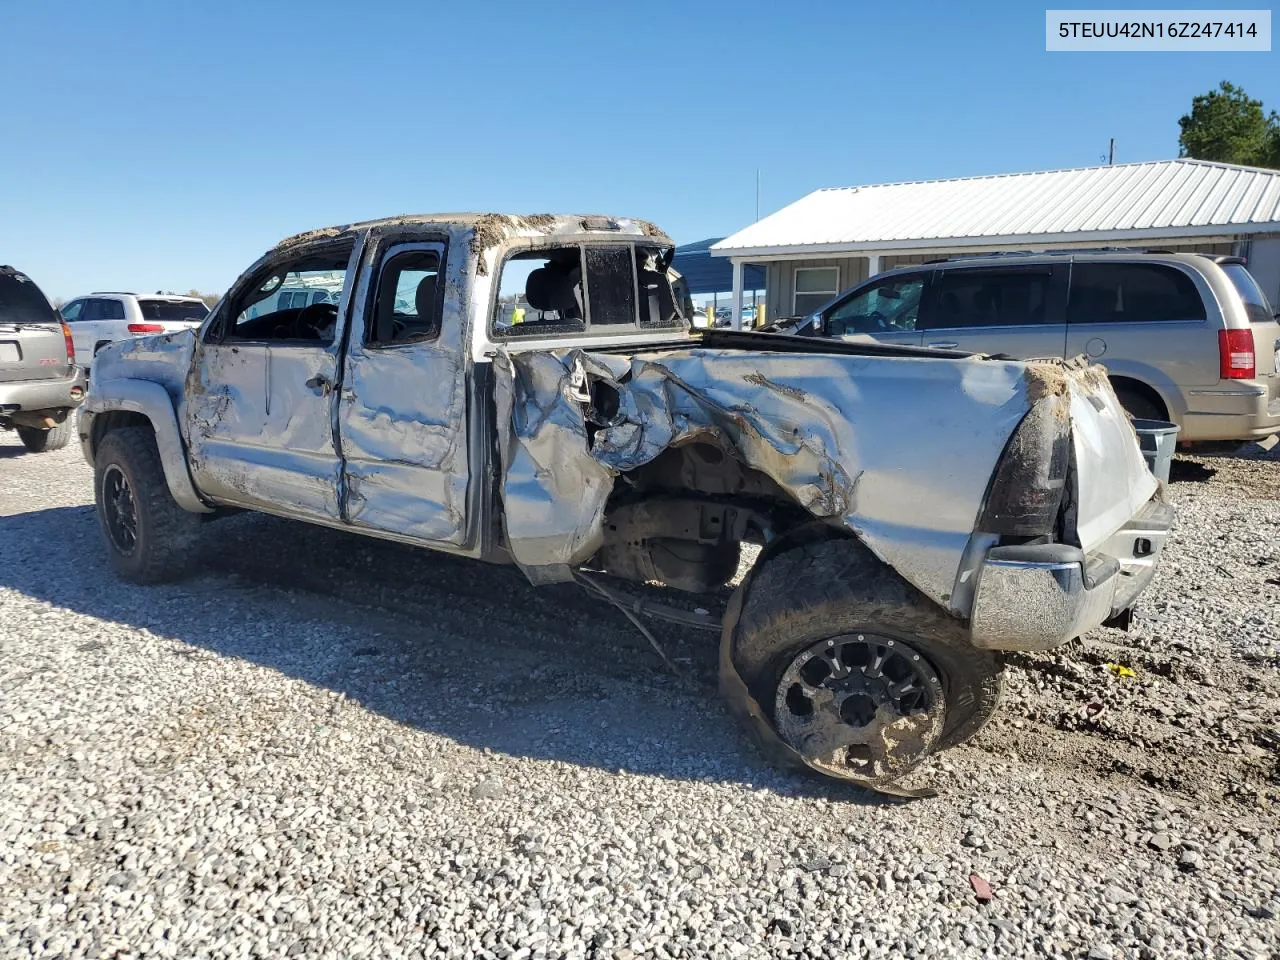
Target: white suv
[[103, 318]]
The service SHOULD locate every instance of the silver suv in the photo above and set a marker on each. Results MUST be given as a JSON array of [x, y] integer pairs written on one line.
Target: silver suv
[[1184, 337], [40, 383]]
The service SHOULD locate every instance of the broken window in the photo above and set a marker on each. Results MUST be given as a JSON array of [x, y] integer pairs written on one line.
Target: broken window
[[409, 299], [296, 300], [561, 291]]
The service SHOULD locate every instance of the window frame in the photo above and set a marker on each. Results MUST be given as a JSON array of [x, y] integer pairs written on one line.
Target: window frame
[[386, 253], [1203, 296], [879, 280], [217, 326], [534, 246], [1055, 307], [796, 292]]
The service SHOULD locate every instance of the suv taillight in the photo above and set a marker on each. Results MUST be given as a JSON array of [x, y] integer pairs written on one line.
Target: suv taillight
[[146, 328], [71, 344], [1235, 354]]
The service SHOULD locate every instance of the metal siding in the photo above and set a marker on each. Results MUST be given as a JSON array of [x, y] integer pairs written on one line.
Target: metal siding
[[1163, 195], [1264, 264]]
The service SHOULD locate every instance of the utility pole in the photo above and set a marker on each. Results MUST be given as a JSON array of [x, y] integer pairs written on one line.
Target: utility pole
[[1111, 152], [757, 193]]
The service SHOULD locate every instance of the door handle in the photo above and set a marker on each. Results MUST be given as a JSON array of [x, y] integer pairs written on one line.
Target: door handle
[[945, 345], [320, 384]]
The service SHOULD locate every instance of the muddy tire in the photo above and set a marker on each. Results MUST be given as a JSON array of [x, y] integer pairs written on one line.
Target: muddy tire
[[149, 538], [801, 599], [42, 441]]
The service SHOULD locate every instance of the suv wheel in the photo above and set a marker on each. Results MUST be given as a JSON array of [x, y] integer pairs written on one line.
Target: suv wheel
[[40, 441], [149, 537]]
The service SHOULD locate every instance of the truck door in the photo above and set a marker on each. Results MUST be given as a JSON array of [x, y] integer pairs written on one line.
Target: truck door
[[259, 397], [402, 408]]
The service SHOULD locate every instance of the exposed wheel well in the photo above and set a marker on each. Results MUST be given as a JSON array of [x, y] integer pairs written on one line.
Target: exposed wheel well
[[682, 517], [104, 423], [1141, 392]]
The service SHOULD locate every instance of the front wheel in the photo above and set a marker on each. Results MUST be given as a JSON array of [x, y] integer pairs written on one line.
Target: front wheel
[[149, 538], [858, 672], [38, 440]]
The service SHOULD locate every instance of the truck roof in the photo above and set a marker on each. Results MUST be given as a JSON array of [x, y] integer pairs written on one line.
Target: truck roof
[[492, 228]]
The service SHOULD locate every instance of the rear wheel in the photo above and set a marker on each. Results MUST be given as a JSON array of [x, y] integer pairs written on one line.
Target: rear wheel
[[857, 670], [149, 538], [41, 441]]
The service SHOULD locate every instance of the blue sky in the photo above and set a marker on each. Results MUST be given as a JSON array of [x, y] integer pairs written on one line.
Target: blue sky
[[166, 145]]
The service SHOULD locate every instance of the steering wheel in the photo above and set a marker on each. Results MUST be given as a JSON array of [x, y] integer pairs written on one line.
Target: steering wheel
[[312, 319]]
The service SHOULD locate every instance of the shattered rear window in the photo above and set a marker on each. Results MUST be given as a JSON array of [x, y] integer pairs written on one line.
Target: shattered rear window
[[569, 290]]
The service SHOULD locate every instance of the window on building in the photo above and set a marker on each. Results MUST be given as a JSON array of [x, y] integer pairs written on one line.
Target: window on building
[[814, 287], [989, 298], [1131, 293]]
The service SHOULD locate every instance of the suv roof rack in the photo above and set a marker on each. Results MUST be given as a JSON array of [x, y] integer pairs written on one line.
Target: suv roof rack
[[118, 293], [996, 254]]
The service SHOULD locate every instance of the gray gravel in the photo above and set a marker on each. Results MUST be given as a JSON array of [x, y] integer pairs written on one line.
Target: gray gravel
[[328, 746]]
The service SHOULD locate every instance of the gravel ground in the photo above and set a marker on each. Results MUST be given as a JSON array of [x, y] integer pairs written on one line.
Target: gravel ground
[[328, 746]]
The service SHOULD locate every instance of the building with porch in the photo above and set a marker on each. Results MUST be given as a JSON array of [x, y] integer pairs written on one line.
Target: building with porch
[[835, 238]]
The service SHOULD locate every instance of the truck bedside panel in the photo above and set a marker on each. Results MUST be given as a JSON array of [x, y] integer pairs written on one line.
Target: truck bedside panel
[[862, 440]]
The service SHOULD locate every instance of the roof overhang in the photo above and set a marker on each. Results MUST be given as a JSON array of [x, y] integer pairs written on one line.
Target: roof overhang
[[1215, 232]]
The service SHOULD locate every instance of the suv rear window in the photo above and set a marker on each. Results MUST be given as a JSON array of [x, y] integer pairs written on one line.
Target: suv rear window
[[1131, 293], [170, 311], [21, 300], [1251, 295]]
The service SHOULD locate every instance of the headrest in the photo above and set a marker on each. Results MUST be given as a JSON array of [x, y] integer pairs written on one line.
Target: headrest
[[425, 299], [539, 289]]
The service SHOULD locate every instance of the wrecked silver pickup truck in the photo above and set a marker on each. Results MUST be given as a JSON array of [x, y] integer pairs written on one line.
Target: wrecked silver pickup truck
[[527, 390]]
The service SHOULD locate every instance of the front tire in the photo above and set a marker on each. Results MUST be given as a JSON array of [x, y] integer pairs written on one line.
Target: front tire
[[830, 632], [149, 538], [42, 441]]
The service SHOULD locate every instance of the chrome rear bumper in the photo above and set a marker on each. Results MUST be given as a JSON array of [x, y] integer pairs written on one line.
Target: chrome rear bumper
[[1039, 596]]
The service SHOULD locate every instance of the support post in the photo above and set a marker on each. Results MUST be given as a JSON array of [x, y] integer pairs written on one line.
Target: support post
[[736, 318], [873, 264]]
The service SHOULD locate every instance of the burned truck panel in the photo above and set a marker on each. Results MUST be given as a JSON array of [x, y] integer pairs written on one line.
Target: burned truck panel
[[828, 430]]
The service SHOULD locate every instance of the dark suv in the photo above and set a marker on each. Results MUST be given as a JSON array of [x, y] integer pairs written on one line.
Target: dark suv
[[40, 383]]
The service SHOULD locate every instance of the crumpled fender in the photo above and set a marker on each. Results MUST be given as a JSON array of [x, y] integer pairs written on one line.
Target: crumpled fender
[[151, 400], [898, 450]]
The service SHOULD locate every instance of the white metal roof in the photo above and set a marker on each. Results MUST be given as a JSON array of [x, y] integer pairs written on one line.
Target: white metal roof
[[1164, 198]]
